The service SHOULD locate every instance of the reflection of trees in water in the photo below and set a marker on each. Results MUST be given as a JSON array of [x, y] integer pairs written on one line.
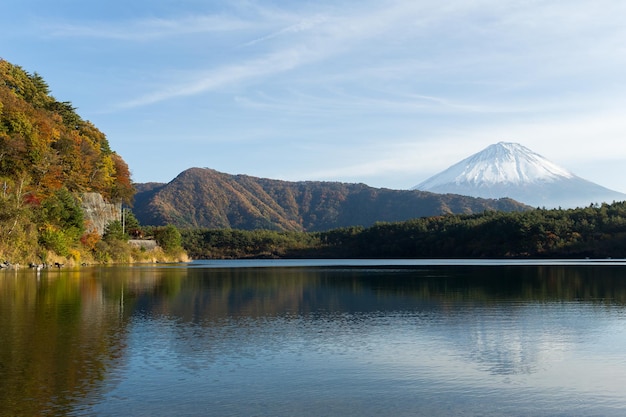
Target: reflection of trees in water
[[64, 332], [206, 295], [60, 338], [488, 315]]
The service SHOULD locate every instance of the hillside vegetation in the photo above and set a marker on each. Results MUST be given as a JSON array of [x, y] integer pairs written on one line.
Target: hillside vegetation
[[205, 198], [49, 156], [594, 231]]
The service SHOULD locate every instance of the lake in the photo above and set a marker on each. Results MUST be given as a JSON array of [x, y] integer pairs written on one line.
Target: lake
[[316, 338]]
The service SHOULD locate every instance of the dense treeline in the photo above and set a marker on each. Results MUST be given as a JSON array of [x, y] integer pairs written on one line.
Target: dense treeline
[[231, 244], [49, 156], [594, 231]]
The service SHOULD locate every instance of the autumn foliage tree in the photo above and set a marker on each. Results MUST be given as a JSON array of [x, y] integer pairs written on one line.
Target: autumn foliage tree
[[46, 147]]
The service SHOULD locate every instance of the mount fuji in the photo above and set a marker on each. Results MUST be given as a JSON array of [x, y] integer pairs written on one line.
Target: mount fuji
[[512, 170]]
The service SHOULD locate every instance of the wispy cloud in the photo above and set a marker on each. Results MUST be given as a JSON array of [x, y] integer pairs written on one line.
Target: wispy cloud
[[274, 63], [332, 103], [149, 29], [406, 85], [303, 25], [308, 40], [503, 43]]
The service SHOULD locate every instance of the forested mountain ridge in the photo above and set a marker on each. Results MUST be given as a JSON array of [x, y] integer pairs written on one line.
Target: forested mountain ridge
[[49, 156], [202, 197]]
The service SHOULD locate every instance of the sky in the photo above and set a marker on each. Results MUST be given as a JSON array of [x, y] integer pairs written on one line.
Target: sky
[[386, 92]]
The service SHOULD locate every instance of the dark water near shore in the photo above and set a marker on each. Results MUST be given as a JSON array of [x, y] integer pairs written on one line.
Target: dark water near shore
[[275, 338]]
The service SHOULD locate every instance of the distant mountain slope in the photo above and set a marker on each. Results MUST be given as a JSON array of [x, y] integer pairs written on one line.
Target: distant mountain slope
[[201, 197], [514, 171]]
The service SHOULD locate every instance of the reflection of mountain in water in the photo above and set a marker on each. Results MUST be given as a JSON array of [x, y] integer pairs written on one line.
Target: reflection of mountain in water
[[488, 315], [210, 294], [64, 333]]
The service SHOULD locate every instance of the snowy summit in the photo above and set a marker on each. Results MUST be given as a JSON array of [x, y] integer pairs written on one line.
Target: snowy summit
[[512, 170], [502, 163]]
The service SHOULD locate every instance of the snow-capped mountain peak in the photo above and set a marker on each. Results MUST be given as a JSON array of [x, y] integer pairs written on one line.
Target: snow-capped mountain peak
[[512, 170], [501, 163]]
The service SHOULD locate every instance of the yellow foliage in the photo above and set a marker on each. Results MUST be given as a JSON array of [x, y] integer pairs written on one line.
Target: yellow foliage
[[74, 255]]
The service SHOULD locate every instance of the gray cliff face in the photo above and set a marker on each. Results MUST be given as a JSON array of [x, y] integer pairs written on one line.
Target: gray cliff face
[[98, 213]]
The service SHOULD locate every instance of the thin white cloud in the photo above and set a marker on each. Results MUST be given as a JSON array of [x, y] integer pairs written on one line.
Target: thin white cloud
[[430, 81], [149, 29], [332, 103], [276, 62], [301, 26], [331, 37], [228, 75], [321, 36]]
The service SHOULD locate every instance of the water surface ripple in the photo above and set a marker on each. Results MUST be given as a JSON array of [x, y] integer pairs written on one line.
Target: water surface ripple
[[311, 339]]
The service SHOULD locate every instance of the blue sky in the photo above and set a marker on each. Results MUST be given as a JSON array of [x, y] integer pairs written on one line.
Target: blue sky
[[385, 92]]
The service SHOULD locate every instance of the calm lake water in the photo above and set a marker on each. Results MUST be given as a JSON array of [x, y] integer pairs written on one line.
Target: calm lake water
[[315, 338]]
